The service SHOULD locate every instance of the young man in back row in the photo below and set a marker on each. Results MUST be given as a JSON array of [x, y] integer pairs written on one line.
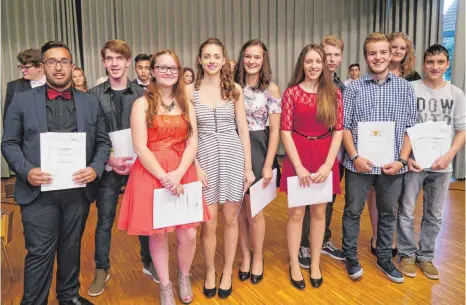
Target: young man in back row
[[437, 100]]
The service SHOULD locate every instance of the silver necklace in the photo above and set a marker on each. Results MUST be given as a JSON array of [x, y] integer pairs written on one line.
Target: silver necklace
[[170, 107]]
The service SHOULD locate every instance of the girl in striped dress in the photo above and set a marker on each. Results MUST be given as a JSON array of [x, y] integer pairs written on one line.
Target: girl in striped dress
[[223, 159]]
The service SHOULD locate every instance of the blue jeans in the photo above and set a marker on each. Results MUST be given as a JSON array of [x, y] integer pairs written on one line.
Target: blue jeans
[[387, 190], [435, 187]]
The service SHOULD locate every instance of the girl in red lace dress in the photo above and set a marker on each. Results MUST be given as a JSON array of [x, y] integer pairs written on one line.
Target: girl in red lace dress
[[311, 107], [163, 126]]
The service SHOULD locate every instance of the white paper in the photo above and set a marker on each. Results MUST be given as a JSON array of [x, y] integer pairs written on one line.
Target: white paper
[[171, 210], [61, 155], [122, 143], [429, 141], [376, 142], [314, 194], [260, 197]]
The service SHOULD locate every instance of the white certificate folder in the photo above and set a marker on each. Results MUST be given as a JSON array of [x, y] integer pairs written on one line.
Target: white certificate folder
[[314, 194], [61, 155], [171, 210], [260, 196]]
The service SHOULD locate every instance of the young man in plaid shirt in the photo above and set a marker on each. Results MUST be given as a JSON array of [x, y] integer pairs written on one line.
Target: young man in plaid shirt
[[378, 96]]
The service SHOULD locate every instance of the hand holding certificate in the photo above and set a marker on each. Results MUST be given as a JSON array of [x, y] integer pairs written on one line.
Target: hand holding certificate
[[62, 155], [122, 143], [170, 210], [306, 195], [376, 142], [261, 196]]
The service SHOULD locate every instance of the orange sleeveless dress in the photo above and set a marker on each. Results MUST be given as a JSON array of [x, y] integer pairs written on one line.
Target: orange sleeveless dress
[[166, 139]]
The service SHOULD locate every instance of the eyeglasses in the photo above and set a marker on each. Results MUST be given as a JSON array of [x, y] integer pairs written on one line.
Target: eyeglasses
[[52, 62], [21, 67], [164, 69]]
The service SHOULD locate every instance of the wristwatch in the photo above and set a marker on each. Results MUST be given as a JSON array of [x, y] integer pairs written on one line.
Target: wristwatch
[[354, 157], [403, 161]]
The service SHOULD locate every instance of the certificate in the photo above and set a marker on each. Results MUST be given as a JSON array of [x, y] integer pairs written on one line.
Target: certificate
[[260, 197], [61, 155], [430, 141], [376, 142], [171, 210], [314, 194], [122, 143]]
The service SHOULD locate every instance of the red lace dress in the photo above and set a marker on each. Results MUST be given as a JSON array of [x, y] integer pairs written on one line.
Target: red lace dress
[[299, 109], [166, 139]]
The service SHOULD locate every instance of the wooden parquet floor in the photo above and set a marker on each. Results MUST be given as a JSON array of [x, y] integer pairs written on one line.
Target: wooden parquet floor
[[129, 286]]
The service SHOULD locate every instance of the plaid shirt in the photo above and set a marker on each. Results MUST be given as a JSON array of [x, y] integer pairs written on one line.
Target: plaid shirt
[[366, 100]]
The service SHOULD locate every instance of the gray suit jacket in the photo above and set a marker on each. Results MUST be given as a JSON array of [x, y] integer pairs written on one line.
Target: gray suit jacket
[[26, 120], [17, 85]]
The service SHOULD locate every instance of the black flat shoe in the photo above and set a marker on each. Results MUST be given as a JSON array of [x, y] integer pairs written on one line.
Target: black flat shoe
[[297, 284], [316, 282], [256, 279], [373, 249], [223, 294], [210, 292], [243, 276], [79, 300]]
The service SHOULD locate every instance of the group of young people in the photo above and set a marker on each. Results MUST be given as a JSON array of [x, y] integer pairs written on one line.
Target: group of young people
[[223, 129]]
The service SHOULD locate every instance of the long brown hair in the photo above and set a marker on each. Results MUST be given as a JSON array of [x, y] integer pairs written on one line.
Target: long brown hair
[[407, 64], [227, 84], [84, 76], [327, 99], [265, 73], [154, 96]]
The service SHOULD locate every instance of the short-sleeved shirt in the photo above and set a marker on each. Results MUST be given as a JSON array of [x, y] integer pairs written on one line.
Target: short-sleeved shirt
[[259, 105], [367, 100], [446, 104]]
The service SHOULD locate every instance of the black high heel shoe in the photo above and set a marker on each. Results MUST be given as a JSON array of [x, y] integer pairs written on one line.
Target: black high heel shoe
[[210, 292], [243, 276], [256, 279], [297, 284], [223, 294], [316, 282]]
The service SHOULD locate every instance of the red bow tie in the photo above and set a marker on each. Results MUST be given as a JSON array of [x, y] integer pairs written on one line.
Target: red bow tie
[[53, 94]]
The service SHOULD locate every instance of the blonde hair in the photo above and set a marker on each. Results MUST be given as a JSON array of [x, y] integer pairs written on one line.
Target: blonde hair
[[376, 37], [333, 41], [407, 64], [84, 76]]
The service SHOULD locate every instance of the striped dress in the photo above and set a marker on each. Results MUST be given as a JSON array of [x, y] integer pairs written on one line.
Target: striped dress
[[220, 152]]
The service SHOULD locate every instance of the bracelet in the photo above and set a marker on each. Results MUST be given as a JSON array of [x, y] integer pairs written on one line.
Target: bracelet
[[403, 161]]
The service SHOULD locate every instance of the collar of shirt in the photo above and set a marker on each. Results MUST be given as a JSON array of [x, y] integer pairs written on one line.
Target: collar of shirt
[[38, 83], [108, 88], [141, 83], [336, 78], [368, 78]]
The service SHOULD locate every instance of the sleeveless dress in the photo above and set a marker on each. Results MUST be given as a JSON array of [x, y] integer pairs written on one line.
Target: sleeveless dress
[[166, 139], [220, 152], [299, 111], [259, 105]]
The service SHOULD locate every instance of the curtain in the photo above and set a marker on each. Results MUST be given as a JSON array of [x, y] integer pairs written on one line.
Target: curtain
[[458, 77], [27, 24]]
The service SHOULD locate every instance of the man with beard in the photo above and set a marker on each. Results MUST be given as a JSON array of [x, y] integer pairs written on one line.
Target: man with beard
[[378, 96], [53, 221], [116, 97]]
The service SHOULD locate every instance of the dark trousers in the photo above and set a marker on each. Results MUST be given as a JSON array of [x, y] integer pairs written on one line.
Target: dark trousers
[[53, 222], [387, 190], [106, 203], [306, 229]]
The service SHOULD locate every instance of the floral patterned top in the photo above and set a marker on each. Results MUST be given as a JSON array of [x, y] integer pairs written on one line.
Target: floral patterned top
[[258, 105]]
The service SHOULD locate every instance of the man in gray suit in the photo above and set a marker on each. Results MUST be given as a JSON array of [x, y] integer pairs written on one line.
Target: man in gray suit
[[32, 69], [53, 221]]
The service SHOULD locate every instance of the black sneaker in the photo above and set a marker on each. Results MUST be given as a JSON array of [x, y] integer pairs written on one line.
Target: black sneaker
[[390, 270], [304, 258], [329, 249], [354, 269]]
